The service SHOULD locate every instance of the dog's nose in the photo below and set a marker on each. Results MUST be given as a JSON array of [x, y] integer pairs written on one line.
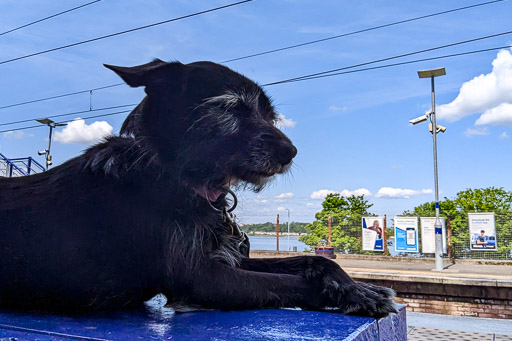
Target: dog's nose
[[286, 153], [284, 150]]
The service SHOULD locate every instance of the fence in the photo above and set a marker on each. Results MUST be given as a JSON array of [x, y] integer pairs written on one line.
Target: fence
[[458, 240], [19, 167]]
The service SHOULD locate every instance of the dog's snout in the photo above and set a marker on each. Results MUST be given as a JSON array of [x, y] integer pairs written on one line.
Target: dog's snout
[[283, 150]]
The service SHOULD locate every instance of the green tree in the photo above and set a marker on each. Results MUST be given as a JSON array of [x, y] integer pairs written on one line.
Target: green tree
[[346, 214]]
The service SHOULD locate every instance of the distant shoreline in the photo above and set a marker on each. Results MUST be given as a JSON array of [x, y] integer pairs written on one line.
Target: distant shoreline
[[273, 234]]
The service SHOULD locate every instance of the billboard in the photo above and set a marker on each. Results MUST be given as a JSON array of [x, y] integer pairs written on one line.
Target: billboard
[[482, 231], [428, 234], [406, 234], [373, 230]]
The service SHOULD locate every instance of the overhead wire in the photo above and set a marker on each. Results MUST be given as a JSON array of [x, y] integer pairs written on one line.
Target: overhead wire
[[361, 31], [70, 113], [124, 32], [67, 121], [308, 43], [309, 77], [49, 17]]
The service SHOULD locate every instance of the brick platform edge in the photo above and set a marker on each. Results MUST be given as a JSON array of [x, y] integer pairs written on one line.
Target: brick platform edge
[[460, 297]]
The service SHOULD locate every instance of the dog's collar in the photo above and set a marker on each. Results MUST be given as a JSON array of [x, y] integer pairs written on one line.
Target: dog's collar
[[224, 209]]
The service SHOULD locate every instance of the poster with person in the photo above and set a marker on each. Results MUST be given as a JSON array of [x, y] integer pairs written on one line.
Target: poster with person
[[406, 234], [428, 234], [482, 231], [373, 232]]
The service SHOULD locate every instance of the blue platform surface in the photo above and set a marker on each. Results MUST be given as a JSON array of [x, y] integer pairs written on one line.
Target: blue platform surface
[[156, 322]]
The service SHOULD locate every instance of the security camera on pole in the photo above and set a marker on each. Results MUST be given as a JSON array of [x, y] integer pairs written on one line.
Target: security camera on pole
[[51, 124], [434, 129]]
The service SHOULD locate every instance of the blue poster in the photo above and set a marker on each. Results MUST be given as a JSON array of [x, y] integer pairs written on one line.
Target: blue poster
[[406, 234], [372, 233]]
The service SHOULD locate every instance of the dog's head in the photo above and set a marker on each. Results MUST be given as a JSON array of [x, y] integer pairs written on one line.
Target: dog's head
[[214, 126]]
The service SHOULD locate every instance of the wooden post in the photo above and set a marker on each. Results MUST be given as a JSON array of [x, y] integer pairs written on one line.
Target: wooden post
[[329, 233], [277, 234], [449, 237], [384, 242]]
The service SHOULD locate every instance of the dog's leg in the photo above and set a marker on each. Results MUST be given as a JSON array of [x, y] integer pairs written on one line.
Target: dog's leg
[[321, 269], [320, 285]]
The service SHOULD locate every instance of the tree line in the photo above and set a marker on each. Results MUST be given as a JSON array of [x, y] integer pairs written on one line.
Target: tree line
[[295, 227]]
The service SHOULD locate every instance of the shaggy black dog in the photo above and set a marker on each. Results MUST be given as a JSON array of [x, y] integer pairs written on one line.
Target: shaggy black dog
[[146, 212]]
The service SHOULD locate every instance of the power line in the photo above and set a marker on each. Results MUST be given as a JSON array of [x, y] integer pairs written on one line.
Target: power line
[[312, 42], [360, 31], [124, 32], [51, 16], [83, 118], [59, 96], [70, 113], [309, 77], [401, 55]]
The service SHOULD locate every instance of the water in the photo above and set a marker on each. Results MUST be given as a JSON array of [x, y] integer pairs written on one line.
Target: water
[[268, 243]]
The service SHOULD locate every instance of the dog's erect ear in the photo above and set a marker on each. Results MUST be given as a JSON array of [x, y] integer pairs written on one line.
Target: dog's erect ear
[[142, 74]]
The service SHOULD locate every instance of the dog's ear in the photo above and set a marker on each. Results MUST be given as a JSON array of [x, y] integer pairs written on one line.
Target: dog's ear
[[142, 74]]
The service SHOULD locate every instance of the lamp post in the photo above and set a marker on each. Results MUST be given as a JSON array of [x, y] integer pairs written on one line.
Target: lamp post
[[51, 124], [434, 129], [288, 223]]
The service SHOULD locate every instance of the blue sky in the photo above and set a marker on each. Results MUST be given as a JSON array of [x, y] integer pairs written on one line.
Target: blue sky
[[351, 130]]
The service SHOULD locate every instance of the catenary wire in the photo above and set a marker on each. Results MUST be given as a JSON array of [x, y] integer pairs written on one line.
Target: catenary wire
[[360, 31], [83, 118], [309, 77], [59, 96], [124, 32], [70, 113], [49, 17], [267, 52]]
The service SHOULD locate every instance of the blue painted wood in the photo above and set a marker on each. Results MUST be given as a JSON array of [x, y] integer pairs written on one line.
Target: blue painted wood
[[155, 322]]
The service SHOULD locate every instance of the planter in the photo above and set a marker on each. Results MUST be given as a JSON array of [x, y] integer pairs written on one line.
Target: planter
[[325, 251]]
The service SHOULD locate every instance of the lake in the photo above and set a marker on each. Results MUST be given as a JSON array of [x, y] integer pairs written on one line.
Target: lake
[[268, 243]]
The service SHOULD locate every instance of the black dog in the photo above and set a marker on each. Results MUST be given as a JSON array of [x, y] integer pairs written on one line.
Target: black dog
[[145, 213]]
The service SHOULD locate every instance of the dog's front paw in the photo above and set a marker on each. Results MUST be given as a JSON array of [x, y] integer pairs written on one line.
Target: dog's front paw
[[341, 294], [369, 300]]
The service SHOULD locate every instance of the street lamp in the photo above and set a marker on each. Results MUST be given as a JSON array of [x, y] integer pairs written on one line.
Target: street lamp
[[288, 223], [51, 124], [434, 129]]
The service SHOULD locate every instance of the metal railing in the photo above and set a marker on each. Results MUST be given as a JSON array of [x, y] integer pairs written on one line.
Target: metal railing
[[19, 166]]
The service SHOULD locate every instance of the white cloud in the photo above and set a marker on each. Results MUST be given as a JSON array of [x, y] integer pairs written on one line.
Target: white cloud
[[281, 209], [283, 197], [483, 93], [335, 108], [479, 132], [390, 192], [500, 115], [504, 135], [261, 201], [16, 134], [81, 133], [357, 192], [283, 122], [321, 194], [310, 204]]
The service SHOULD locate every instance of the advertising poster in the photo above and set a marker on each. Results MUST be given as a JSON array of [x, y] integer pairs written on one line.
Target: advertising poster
[[482, 231], [373, 228], [428, 234], [406, 234]]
